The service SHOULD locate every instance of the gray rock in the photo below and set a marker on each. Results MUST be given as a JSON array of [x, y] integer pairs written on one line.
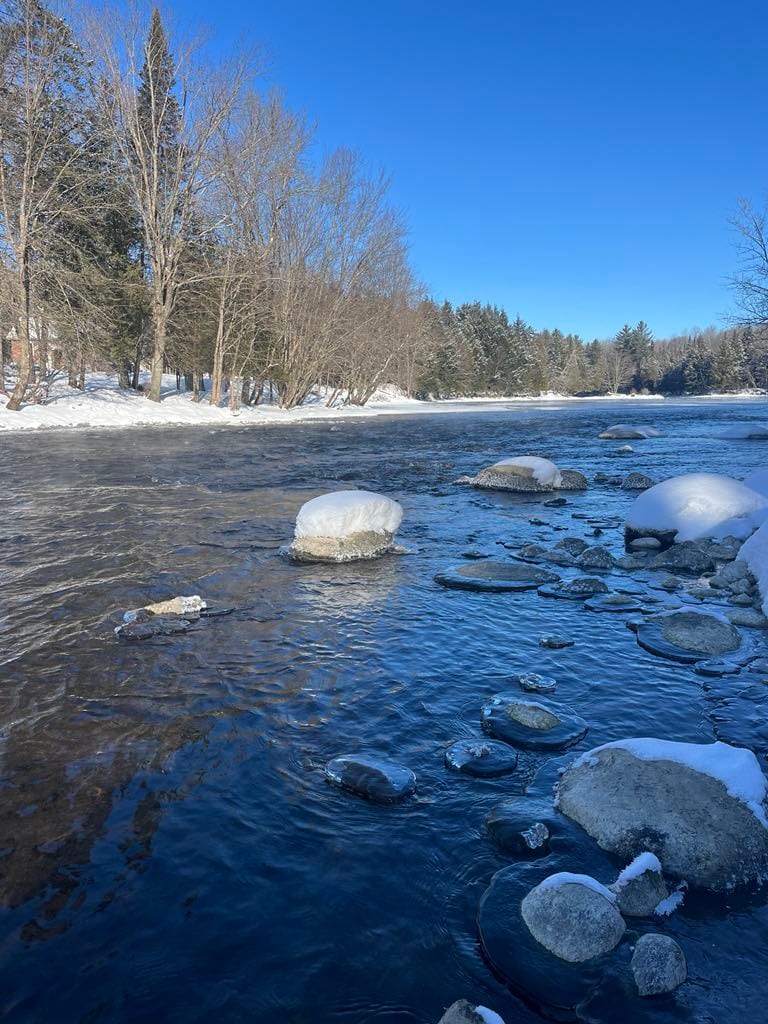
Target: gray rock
[[532, 682], [554, 641], [688, 819], [573, 545], [686, 557], [596, 558], [371, 777], [532, 551], [363, 545], [639, 896], [638, 560], [572, 480], [741, 600], [658, 965], [645, 544], [671, 583], [637, 482], [698, 631], [750, 618], [572, 920], [509, 478], [623, 432], [461, 1012]]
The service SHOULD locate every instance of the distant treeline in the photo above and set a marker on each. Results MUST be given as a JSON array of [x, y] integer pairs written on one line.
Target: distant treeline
[[160, 209]]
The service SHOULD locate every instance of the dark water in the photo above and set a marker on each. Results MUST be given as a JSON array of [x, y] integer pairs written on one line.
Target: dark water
[[170, 850]]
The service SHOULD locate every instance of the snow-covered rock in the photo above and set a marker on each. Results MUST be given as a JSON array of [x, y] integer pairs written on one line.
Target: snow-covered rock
[[694, 506], [522, 473], [462, 1012], [640, 887], [658, 965], [746, 432], [754, 555], [701, 808], [627, 432], [346, 525], [573, 916]]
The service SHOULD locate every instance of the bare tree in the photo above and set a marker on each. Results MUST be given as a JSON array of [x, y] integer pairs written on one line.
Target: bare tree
[[750, 284], [618, 368]]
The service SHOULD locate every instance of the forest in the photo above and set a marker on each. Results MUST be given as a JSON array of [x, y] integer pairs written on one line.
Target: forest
[[162, 210]]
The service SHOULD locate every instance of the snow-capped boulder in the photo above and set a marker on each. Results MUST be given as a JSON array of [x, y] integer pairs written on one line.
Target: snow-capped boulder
[[372, 778], [522, 473], [695, 506], [627, 432], [462, 1012], [640, 887], [746, 432], [754, 556], [573, 916], [345, 526], [658, 965], [700, 808]]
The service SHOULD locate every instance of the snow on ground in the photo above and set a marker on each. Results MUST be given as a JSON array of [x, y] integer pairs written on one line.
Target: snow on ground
[[543, 471], [755, 553], [736, 767], [342, 513], [699, 505], [567, 878]]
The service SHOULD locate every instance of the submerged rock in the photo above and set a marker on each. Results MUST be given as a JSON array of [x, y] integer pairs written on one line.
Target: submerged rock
[[658, 965], [699, 808], [555, 642], [532, 682], [371, 777], [613, 603], [532, 725], [154, 625], [462, 1012], [573, 916], [482, 758], [516, 835], [698, 632], [495, 576]]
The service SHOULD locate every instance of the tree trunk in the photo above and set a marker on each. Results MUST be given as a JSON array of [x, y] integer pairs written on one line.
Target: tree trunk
[[25, 344], [159, 332], [124, 375], [235, 394], [246, 392]]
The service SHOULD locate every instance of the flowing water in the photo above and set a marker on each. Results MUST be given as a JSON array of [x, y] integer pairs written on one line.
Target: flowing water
[[170, 849]]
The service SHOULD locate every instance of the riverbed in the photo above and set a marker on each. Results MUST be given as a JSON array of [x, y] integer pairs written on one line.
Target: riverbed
[[171, 850]]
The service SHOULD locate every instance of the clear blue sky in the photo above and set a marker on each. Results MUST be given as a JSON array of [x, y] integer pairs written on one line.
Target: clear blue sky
[[576, 162]]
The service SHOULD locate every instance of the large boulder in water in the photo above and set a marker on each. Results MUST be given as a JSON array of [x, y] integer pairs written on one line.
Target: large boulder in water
[[345, 526], [373, 778], [523, 473], [531, 724], [700, 808], [688, 635], [573, 916]]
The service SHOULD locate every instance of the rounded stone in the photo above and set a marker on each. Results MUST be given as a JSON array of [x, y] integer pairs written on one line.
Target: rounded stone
[[485, 759], [532, 682], [573, 919], [596, 558], [573, 480], [613, 603], [495, 577], [532, 725], [637, 482], [372, 778], [658, 965]]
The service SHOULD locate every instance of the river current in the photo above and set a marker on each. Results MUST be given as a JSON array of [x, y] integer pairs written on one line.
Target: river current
[[170, 849]]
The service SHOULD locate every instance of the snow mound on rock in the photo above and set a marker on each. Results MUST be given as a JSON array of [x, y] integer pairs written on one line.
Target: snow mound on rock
[[543, 471], [736, 767], [342, 514], [625, 431], [755, 553], [746, 432], [698, 505], [643, 862], [567, 878]]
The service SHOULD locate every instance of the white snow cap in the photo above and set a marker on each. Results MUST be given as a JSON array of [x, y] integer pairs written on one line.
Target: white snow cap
[[643, 862], [699, 505], [545, 472], [488, 1015], [755, 431], [342, 513], [755, 553], [736, 767], [625, 430], [567, 878]]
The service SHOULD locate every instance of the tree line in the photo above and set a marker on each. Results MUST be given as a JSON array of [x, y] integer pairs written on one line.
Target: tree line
[[159, 209]]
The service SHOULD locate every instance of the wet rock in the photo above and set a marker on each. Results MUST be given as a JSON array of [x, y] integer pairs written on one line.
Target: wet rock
[[532, 551], [742, 600], [573, 545], [483, 759], [181, 606], [555, 502], [462, 1012], [532, 682], [495, 577], [575, 590], [555, 642], [626, 449], [532, 725], [699, 632], [687, 557], [516, 835], [671, 583], [645, 544], [572, 480], [629, 563], [750, 618], [364, 544], [658, 965], [613, 603], [637, 482], [638, 795], [474, 555], [574, 917], [596, 558], [156, 625], [640, 887], [372, 778]]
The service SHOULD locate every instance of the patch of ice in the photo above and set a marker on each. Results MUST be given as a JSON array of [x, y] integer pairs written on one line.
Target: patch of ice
[[488, 1015], [342, 513], [567, 878], [670, 903], [755, 553], [736, 767], [643, 862], [699, 505], [544, 472]]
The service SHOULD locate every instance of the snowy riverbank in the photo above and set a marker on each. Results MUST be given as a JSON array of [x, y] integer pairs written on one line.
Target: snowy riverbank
[[103, 405]]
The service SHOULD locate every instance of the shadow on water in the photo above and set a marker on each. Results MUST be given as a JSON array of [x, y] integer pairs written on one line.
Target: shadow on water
[[171, 850]]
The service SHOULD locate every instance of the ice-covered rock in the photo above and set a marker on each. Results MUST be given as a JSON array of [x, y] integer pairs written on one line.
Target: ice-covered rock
[[532, 682], [627, 432], [700, 808], [573, 916], [530, 724], [694, 506], [371, 777], [746, 432], [345, 526], [516, 834], [658, 965], [486, 759], [640, 887]]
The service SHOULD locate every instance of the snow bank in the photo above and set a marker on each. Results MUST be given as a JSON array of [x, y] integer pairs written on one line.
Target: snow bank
[[642, 863], [543, 471], [746, 432], [343, 513], [736, 767], [567, 878], [755, 553], [699, 505]]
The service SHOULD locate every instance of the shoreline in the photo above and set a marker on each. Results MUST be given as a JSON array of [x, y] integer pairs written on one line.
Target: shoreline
[[104, 406]]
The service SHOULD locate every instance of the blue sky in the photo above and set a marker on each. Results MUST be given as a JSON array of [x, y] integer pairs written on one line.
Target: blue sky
[[575, 162]]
